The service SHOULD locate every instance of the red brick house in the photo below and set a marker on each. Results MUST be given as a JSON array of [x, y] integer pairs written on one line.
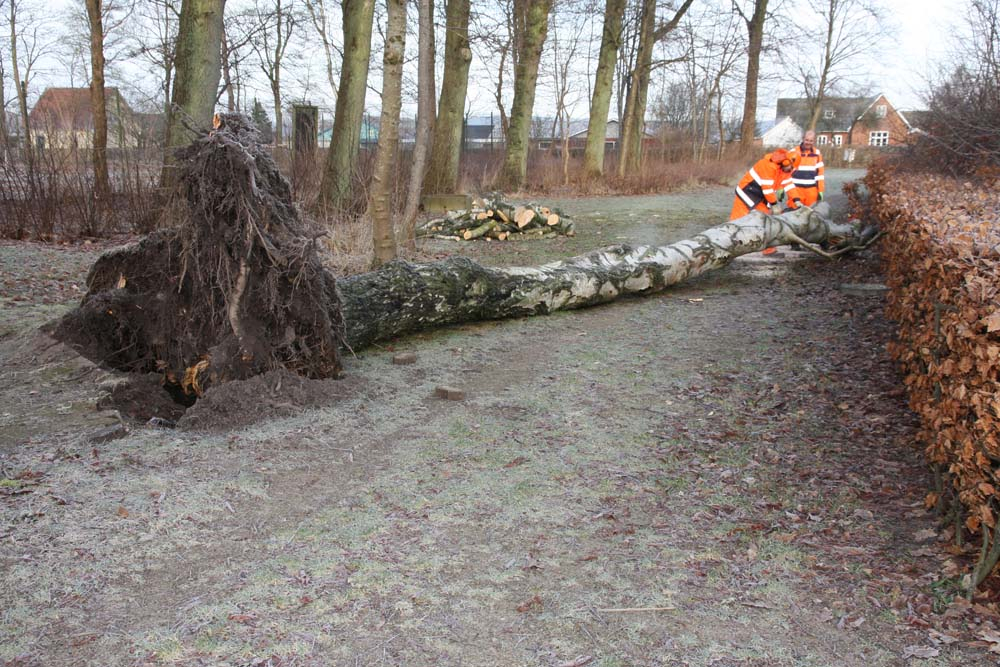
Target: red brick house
[[850, 121], [62, 118]]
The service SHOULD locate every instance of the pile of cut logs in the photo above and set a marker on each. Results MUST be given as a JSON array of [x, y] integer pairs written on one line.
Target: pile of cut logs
[[493, 218]]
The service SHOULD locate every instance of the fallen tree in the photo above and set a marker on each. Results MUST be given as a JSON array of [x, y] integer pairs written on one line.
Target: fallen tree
[[237, 289], [402, 297]]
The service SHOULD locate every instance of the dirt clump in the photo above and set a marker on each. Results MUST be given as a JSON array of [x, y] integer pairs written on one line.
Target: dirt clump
[[274, 394]]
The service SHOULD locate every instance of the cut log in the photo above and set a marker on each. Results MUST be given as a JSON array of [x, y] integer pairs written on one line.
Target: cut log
[[480, 230], [552, 220], [523, 216]]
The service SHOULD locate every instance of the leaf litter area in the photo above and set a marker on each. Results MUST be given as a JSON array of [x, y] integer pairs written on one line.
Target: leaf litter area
[[724, 474]]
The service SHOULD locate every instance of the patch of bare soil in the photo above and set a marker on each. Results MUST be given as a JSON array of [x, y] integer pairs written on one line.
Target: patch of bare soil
[[265, 397], [721, 475]]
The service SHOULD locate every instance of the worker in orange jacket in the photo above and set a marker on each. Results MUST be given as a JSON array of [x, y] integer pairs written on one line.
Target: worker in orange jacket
[[759, 187], [808, 176]]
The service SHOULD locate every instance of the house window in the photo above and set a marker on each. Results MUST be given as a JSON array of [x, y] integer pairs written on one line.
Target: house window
[[829, 113], [838, 139], [544, 145], [878, 138], [822, 139], [881, 110]]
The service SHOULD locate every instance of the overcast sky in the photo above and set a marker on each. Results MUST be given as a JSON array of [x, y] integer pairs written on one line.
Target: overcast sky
[[917, 38]]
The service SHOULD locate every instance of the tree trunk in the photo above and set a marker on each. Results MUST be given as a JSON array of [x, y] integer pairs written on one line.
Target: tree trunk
[[98, 102], [380, 204], [279, 121], [21, 89], [227, 72], [196, 75], [121, 327], [536, 25], [4, 130], [425, 117], [593, 154], [342, 156], [401, 298], [442, 170], [755, 30], [633, 123], [827, 64]]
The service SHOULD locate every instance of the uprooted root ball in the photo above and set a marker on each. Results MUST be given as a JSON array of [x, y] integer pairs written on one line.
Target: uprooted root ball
[[232, 287]]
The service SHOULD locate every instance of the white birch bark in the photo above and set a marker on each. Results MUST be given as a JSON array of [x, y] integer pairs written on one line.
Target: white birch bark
[[402, 297]]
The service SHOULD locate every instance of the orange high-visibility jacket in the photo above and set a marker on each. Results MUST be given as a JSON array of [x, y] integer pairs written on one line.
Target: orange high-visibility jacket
[[762, 182], [808, 171]]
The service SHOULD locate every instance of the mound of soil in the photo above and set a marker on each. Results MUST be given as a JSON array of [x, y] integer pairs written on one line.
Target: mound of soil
[[277, 393]]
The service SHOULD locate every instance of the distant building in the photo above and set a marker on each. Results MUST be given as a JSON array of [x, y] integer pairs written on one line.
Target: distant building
[[850, 121], [369, 135], [784, 132], [63, 118], [482, 133], [579, 130]]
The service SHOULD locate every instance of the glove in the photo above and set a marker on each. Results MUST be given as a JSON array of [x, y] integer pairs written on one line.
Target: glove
[[796, 202], [780, 194], [821, 196]]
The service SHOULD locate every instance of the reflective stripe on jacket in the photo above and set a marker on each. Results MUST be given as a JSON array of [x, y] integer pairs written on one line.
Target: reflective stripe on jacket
[[762, 182], [808, 171]]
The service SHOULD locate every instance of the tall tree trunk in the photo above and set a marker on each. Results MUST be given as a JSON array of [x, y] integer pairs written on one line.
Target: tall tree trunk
[[442, 170], [425, 116], [227, 73], [21, 89], [98, 102], [380, 204], [634, 122], [600, 104], [632, 126], [196, 75], [342, 157], [498, 92], [755, 31], [536, 25], [827, 64], [4, 131], [278, 120]]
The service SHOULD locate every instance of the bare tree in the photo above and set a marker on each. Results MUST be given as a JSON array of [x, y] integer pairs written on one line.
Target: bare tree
[[379, 203], [320, 21], [197, 66], [851, 29], [239, 30], [102, 16], [425, 117], [754, 18], [593, 156], [633, 122], [442, 169], [278, 20], [533, 18], [29, 44], [335, 189], [962, 128], [565, 45], [154, 40]]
